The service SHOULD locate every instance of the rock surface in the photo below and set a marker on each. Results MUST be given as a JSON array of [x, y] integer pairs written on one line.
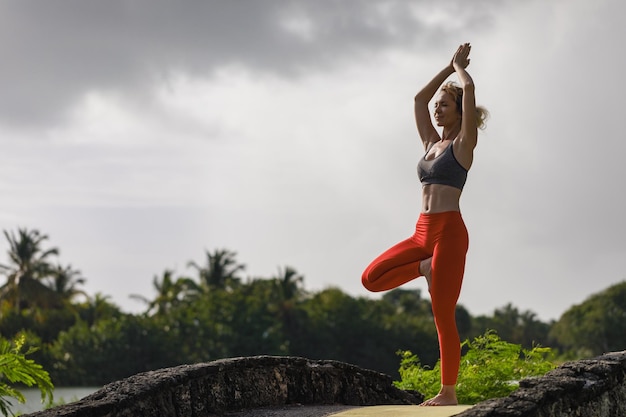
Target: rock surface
[[586, 388], [268, 386], [215, 388]]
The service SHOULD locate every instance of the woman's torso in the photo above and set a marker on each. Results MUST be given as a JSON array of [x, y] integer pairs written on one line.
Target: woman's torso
[[438, 198]]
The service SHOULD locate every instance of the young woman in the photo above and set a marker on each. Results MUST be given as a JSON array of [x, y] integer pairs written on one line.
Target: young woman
[[438, 247]]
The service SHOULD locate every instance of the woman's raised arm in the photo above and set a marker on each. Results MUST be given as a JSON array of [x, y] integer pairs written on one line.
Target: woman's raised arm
[[469, 130], [425, 127]]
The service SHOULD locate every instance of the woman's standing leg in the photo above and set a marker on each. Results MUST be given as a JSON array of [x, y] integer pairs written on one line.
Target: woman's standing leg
[[448, 266]]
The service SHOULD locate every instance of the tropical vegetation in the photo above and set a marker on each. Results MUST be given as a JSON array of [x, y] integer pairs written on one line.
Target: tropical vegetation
[[218, 311], [15, 368], [490, 368]]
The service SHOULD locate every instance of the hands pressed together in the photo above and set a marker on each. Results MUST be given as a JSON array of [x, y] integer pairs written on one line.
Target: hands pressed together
[[461, 57]]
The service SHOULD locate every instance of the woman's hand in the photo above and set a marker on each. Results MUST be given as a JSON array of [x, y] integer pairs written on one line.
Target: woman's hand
[[461, 57]]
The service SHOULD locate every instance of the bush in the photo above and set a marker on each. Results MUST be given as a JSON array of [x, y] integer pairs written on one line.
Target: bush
[[490, 368], [15, 368]]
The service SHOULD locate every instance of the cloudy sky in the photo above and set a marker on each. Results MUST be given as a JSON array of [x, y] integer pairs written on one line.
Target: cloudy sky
[[137, 134]]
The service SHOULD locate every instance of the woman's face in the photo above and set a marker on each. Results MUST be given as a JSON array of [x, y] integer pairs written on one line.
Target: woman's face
[[445, 112]]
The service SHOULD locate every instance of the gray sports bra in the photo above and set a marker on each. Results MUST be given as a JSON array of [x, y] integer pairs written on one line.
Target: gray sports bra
[[444, 169]]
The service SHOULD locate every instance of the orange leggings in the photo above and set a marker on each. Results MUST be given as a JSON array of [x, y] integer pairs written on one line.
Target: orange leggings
[[444, 237]]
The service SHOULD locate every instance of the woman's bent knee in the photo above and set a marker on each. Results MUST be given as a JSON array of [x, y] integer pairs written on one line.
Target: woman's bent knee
[[370, 284]]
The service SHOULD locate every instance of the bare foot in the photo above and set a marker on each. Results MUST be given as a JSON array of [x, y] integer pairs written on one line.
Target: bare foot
[[447, 396], [426, 270]]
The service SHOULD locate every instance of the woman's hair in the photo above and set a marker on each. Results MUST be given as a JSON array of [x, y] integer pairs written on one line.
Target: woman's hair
[[457, 94]]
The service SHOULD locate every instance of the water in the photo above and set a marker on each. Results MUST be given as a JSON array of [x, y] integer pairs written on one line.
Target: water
[[61, 395]]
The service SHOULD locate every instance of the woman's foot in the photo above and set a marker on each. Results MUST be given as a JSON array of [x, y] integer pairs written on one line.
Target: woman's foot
[[426, 270], [447, 396]]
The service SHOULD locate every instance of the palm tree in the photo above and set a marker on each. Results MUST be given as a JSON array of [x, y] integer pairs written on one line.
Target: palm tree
[[220, 271], [98, 308], [288, 285], [289, 292], [65, 281], [28, 266], [170, 292]]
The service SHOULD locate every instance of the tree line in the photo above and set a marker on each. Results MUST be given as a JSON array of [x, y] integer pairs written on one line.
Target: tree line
[[87, 340]]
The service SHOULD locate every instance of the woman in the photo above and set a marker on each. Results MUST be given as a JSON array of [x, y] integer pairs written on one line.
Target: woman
[[437, 249]]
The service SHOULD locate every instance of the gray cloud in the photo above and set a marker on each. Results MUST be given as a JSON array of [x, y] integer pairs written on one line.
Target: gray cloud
[[544, 204], [55, 51]]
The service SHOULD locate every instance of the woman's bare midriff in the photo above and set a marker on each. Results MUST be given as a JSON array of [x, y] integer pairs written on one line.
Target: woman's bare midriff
[[437, 198]]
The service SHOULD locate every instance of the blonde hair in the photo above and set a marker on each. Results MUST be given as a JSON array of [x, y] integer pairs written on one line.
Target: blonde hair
[[457, 94]]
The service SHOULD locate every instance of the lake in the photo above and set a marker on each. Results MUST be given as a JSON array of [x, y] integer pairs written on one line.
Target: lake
[[61, 394]]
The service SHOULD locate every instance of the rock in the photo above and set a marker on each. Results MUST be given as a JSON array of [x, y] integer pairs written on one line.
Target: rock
[[278, 385], [592, 387], [210, 389]]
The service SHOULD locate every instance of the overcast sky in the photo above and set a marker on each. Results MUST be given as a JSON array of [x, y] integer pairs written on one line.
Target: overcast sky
[[138, 134]]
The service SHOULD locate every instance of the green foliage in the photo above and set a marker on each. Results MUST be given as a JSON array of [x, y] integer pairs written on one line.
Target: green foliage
[[216, 313], [515, 326], [490, 368], [111, 349], [596, 326], [16, 368]]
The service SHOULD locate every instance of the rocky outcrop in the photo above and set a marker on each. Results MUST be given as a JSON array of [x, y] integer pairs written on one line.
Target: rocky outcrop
[[214, 388], [585, 388]]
